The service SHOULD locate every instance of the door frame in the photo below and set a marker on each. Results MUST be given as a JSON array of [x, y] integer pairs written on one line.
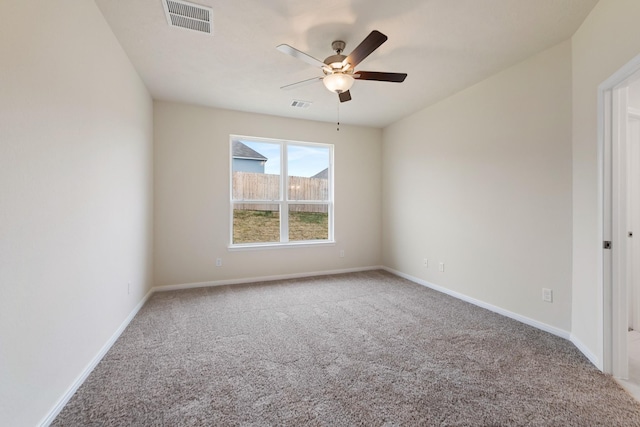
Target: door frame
[[633, 202], [612, 263]]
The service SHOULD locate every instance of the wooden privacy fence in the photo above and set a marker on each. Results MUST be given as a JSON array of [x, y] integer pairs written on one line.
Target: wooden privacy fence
[[262, 186]]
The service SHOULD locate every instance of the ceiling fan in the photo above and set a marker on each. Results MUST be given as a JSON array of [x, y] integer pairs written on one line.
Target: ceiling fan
[[339, 70]]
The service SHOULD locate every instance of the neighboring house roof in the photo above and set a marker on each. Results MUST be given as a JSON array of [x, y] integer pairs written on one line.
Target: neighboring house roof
[[323, 174], [241, 151]]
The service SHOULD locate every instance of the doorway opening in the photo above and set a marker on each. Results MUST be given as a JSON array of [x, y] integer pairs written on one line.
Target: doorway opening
[[620, 198]]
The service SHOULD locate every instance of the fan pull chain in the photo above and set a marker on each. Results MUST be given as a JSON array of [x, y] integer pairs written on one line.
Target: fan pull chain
[[338, 129]]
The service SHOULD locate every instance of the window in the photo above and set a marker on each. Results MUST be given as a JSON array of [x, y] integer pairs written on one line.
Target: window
[[281, 192]]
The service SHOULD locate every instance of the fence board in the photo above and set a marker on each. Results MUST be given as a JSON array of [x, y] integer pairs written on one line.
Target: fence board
[[266, 187]]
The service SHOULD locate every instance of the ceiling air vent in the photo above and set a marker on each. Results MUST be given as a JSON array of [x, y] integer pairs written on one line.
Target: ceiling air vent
[[188, 15], [300, 104]]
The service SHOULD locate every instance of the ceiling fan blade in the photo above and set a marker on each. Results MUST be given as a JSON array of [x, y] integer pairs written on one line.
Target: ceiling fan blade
[[344, 96], [285, 48], [381, 77], [364, 49], [302, 83]]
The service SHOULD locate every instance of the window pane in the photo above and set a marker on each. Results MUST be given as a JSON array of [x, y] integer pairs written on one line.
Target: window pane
[[256, 170], [308, 222], [256, 223], [308, 168]]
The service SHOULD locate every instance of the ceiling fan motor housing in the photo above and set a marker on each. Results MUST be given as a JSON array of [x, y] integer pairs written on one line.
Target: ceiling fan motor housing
[[336, 60]]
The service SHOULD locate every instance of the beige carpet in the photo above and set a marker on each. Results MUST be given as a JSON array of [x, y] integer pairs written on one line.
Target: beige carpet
[[357, 349]]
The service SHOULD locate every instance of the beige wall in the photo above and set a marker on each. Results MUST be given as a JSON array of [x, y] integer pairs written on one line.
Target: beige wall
[[607, 40], [75, 204], [192, 222], [482, 182], [485, 181]]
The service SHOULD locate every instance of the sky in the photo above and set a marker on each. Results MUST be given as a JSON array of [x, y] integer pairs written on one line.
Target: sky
[[304, 160]]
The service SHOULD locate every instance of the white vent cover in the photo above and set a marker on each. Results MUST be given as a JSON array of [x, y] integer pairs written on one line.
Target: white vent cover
[[188, 15], [300, 104]]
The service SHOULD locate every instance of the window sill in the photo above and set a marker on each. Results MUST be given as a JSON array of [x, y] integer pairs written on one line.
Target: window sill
[[289, 245]]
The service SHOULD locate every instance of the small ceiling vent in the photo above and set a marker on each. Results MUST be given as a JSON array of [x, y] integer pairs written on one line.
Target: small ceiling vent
[[188, 15], [300, 104]]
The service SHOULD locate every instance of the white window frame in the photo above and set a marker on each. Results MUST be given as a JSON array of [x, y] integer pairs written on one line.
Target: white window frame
[[284, 201]]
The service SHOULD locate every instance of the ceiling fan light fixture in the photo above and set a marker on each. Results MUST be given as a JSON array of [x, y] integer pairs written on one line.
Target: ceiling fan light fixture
[[338, 82], [339, 69]]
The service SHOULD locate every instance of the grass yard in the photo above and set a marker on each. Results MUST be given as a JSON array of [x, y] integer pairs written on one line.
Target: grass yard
[[264, 226]]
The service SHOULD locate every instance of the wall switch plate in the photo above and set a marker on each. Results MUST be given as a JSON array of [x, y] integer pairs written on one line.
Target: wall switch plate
[[218, 262], [547, 295], [425, 263], [441, 266]]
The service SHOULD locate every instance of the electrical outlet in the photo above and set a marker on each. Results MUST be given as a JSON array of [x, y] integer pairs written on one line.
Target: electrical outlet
[[441, 267], [341, 253], [425, 263], [218, 262], [547, 295]]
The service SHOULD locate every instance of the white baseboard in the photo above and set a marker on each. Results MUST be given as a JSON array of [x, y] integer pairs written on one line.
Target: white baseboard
[[526, 320], [523, 319], [587, 353], [94, 362], [105, 348], [262, 279], [98, 357]]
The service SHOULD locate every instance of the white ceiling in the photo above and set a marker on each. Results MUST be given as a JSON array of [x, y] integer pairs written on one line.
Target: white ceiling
[[443, 45]]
